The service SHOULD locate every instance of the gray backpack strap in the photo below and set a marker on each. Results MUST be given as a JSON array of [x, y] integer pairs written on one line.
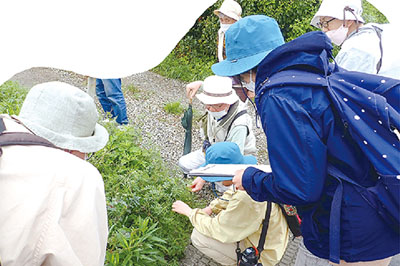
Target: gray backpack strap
[[233, 120], [379, 33], [20, 138]]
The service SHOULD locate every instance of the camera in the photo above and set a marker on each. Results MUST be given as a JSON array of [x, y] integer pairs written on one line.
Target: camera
[[249, 257]]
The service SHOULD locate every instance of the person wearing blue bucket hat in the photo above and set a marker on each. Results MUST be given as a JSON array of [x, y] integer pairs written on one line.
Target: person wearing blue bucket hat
[[217, 236], [253, 38], [310, 149]]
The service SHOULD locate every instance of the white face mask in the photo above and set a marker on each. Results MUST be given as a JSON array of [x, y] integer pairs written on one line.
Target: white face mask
[[218, 115], [339, 35], [224, 27], [251, 86]]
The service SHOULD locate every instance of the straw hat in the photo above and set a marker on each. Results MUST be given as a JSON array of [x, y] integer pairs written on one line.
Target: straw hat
[[65, 116], [231, 9], [334, 9], [217, 90]]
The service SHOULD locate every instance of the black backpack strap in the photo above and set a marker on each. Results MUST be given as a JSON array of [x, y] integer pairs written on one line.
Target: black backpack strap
[[20, 138], [233, 120], [264, 229]]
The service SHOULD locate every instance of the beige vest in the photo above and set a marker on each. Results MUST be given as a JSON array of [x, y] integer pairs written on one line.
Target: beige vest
[[217, 131]]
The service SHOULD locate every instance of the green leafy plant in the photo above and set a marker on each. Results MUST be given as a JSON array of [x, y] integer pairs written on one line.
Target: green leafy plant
[[174, 108], [132, 88], [137, 244], [140, 190], [12, 96]]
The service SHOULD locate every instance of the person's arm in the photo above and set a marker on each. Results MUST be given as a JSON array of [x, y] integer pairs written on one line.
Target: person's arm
[[232, 224], [238, 135], [192, 88], [297, 154], [220, 204]]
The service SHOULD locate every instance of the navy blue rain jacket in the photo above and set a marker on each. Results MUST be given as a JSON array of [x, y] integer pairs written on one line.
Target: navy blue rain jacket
[[303, 135]]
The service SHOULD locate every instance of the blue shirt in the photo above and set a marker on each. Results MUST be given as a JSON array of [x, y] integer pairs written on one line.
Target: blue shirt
[[303, 136]]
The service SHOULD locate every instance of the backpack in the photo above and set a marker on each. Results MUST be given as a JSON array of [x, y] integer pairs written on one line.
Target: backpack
[[368, 105]]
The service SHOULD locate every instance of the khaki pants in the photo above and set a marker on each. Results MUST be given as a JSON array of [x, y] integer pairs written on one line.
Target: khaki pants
[[306, 258], [223, 253]]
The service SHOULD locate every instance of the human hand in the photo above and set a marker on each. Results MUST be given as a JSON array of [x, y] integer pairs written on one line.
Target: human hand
[[237, 179], [181, 208], [197, 184], [207, 210], [192, 88]]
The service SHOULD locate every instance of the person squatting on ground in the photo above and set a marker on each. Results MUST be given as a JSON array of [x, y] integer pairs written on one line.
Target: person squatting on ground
[[53, 205], [365, 48], [227, 120], [229, 12], [111, 98], [234, 217], [304, 137]]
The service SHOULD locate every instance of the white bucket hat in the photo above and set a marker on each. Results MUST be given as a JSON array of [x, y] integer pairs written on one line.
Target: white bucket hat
[[217, 89], [64, 115], [231, 9], [334, 9]]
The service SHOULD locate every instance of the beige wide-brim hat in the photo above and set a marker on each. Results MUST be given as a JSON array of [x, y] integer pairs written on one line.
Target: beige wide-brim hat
[[64, 115], [231, 9], [216, 90], [334, 9]]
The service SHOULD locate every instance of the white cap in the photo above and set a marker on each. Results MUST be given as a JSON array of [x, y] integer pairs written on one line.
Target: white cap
[[334, 9], [231, 9], [217, 89]]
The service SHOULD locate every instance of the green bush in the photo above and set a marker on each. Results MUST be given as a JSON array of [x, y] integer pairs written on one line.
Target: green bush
[[140, 191], [174, 108], [12, 96], [194, 55]]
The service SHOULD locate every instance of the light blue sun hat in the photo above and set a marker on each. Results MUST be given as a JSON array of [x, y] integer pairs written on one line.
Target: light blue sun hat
[[225, 153], [247, 43]]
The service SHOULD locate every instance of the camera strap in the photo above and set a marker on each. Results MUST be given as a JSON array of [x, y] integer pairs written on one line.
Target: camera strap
[[263, 235], [264, 230]]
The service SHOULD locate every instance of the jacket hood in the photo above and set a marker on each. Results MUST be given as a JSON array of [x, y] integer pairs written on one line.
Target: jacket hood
[[311, 50]]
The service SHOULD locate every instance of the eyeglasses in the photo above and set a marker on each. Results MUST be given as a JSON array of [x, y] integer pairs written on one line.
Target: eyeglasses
[[214, 106], [324, 24]]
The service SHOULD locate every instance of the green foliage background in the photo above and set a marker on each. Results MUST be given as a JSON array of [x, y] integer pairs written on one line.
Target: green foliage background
[[12, 96], [194, 55]]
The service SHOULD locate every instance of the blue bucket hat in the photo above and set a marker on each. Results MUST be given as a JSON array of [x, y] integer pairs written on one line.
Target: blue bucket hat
[[247, 43], [225, 153]]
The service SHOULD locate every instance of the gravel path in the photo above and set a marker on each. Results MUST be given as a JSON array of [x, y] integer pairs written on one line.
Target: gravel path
[[146, 95]]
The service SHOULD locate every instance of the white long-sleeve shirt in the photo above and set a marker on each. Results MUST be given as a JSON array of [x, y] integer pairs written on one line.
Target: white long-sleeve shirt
[[53, 208]]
